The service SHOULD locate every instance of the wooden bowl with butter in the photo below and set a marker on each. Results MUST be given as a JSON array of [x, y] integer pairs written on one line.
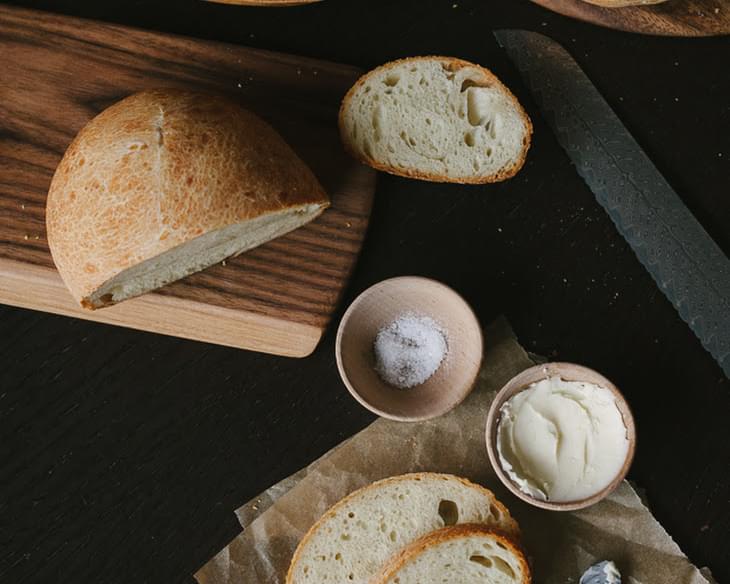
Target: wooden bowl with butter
[[560, 436]]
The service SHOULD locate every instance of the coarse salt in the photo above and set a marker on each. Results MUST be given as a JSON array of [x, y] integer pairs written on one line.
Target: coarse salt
[[409, 350]]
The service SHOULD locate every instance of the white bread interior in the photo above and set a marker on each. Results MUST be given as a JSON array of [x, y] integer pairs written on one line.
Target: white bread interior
[[200, 253], [458, 555], [438, 119], [352, 541]]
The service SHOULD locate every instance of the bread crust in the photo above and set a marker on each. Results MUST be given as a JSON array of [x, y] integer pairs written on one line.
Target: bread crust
[[622, 3], [514, 529], [413, 549], [158, 169], [455, 64]]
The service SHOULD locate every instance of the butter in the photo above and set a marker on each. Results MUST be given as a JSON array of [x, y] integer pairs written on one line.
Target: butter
[[562, 440]]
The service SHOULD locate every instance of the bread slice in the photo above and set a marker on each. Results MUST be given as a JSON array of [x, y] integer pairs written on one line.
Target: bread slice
[[463, 554], [165, 183], [355, 537], [438, 119]]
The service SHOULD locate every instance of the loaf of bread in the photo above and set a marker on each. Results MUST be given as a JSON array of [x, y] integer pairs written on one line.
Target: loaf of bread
[[438, 119], [462, 554], [354, 538], [166, 183]]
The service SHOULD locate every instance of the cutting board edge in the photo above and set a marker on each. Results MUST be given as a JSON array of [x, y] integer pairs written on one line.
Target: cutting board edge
[[157, 313], [635, 22]]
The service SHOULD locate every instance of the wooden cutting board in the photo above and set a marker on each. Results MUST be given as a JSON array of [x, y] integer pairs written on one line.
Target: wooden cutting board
[[57, 72], [688, 18]]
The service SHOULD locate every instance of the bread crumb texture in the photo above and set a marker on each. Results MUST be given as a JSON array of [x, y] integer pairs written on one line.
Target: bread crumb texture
[[354, 539], [436, 118], [463, 554]]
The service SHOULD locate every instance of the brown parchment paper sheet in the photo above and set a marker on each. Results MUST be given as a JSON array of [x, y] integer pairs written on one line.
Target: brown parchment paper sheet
[[560, 545]]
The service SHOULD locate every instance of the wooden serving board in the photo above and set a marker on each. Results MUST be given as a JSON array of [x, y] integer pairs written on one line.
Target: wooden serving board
[[57, 72], [687, 18]]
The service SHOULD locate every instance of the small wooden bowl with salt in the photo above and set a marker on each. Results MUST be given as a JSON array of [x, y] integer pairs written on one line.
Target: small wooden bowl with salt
[[409, 349]]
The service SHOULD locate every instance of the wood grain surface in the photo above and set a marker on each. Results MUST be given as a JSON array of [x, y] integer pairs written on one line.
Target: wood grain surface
[[686, 18], [277, 298]]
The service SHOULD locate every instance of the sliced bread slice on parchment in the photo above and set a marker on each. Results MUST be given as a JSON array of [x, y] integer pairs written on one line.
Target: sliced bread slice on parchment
[[438, 119], [462, 554], [355, 537]]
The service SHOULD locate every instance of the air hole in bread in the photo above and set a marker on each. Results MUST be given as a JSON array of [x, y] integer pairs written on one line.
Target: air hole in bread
[[477, 167], [367, 89], [388, 91], [392, 80], [493, 509], [448, 511], [377, 122], [469, 138], [467, 83], [489, 153], [428, 121], [503, 567], [345, 537], [338, 556], [393, 535], [105, 299], [501, 545], [351, 576], [476, 107], [351, 515], [423, 82], [486, 562], [487, 545]]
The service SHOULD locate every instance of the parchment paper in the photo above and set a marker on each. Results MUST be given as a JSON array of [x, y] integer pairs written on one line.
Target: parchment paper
[[561, 545]]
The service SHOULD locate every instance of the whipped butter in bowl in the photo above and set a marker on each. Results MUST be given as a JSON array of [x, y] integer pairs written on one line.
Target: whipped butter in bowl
[[560, 436]]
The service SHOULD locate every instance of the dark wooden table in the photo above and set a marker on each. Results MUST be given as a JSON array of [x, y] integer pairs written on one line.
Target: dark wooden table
[[124, 454]]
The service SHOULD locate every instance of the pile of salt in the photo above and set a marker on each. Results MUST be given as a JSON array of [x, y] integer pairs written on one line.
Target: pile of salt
[[409, 350]]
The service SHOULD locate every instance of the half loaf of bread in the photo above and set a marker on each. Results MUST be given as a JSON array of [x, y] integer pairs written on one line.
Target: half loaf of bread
[[166, 183], [355, 537], [438, 119], [463, 554]]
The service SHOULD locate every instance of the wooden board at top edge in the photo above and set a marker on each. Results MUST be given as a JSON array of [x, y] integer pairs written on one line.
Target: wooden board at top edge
[[270, 3], [57, 72], [685, 18]]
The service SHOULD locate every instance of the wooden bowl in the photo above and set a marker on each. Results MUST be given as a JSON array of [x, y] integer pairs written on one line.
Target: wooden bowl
[[568, 372], [380, 305]]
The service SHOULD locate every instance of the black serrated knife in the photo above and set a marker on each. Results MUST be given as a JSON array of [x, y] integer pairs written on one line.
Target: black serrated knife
[[689, 268]]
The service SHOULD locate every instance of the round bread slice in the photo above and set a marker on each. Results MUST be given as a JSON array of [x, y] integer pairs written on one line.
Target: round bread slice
[[355, 537], [463, 554], [166, 183], [436, 118]]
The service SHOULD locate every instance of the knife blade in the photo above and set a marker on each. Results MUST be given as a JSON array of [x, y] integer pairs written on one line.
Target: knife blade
[[687, 265]]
